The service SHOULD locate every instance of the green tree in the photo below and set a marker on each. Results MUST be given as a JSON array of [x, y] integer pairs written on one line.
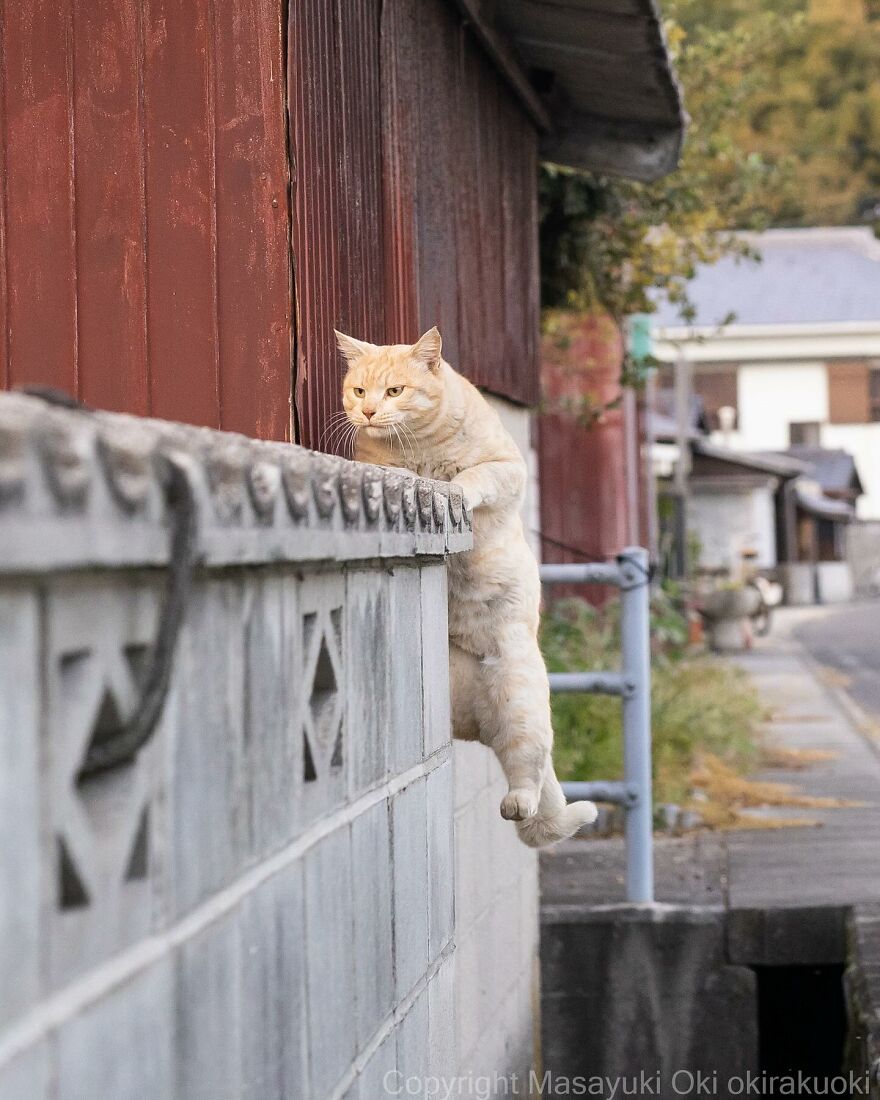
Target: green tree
[[606, 243], [817, 108]]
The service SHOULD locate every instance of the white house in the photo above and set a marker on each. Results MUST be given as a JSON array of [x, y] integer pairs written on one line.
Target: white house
[[800, 363]]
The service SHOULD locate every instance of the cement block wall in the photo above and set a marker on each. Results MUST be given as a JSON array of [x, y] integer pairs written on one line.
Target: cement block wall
[[296, 889]]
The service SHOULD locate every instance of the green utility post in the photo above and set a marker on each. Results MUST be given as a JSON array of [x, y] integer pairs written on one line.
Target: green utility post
[[639, 482], [639, 341]]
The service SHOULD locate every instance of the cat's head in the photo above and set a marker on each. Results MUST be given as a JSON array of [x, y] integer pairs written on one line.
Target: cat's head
[[392, 384]]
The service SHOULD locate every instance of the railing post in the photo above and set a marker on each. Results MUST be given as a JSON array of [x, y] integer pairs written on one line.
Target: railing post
[[635, 646]]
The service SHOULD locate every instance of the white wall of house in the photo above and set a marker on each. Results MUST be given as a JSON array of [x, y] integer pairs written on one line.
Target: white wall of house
[[863, 443], [772, 396], [729, 522]]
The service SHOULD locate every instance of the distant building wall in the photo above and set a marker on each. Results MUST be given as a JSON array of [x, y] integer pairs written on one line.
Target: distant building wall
[[284, 892], [773, 396], [728, 523], [863, 554], [862, 441]]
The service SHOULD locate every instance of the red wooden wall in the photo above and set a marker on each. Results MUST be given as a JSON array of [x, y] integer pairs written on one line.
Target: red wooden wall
[[414, 196], [143, 210], [585, 515], [155, 254]]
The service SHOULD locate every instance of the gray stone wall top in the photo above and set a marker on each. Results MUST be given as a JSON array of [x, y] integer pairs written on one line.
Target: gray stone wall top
[[88, 489]]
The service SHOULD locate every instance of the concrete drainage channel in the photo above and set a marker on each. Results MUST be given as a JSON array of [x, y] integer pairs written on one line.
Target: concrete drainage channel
[[701, 1000]]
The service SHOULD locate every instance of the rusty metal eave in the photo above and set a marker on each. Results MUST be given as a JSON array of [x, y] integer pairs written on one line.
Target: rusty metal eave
[[594, 75]]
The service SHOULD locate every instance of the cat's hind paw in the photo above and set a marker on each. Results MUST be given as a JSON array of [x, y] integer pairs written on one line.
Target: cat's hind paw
[[519, 804]]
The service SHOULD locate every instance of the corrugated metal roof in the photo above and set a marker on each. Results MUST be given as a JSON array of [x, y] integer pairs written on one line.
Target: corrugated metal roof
[[608, 95], [824, 507], [806, 276]]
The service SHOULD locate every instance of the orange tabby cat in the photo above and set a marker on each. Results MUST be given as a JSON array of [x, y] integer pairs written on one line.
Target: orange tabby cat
[[412, 410]]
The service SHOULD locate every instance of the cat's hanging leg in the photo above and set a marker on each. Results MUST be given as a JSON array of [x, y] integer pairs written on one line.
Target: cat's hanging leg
[[465, 689], [514, 715]]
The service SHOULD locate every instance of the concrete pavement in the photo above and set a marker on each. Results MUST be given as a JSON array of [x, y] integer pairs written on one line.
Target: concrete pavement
[[846, 639]]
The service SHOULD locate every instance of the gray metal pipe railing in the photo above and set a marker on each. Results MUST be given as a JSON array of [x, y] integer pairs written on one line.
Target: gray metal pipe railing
[[631, 574]]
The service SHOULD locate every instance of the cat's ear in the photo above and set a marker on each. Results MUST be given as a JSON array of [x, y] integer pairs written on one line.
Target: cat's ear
[[427, 350], [352, 349]]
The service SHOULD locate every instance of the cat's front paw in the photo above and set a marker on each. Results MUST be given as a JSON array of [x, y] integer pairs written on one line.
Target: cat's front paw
[[519, 804]]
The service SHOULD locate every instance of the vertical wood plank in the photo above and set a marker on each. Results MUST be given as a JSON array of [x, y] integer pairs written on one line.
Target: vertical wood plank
[[37, 184], [4, 328], [111, 299], [252, 220], [399, 115], [179, 149]]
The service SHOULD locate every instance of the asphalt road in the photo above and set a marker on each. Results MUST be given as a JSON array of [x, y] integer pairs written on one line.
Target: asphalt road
[[848, 641]]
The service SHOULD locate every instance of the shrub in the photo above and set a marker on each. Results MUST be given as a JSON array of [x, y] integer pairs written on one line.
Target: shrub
[[698, 704]]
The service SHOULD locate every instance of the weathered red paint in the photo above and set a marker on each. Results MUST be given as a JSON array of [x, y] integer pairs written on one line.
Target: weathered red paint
[[40, 319], [148, 225], [414, 197], [180, 212], [143, 211], [582, 465]]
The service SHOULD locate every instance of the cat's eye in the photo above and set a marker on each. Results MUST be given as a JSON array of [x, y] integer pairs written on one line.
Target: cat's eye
[[394, 391], [359, 391]]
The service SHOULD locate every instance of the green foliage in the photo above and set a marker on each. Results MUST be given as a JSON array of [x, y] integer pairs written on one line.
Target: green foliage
[[698, 704], [606, 243], [818, 109]]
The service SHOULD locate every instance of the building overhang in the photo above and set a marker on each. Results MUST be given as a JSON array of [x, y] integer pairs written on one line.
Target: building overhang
[[823, 507], [768, 343], [596, 77]]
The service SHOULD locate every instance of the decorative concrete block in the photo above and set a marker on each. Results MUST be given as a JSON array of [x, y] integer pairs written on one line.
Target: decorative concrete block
[[102, 881], [410, 849], [30, 1075], [322, 694], [413, 1044], [208, 1014], [379, 1077], [273, 964], [469, 828], [442, 1039], [123, 1046], [367, 661], [330, 964], [207, 823], [20, 693], [373, 922], [88, 490], [441, 859], [272, 745], [406, 720], [471, 770], [435, 658]]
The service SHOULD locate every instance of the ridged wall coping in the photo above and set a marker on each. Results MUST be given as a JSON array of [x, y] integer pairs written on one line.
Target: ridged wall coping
[[83, 489]]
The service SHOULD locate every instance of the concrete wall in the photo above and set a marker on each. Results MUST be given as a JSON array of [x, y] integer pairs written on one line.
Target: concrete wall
[[727, 523], [286, 892], [863, 554], [520, 422], [863, 443]]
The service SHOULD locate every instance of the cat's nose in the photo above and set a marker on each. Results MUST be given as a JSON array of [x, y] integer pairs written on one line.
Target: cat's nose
[[369, 413]]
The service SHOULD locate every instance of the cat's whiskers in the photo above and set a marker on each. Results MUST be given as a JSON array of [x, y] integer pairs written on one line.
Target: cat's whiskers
[[414, 443], [335, 421], [342, 437]]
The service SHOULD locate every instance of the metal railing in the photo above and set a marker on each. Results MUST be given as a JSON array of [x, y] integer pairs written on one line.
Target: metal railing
[[632, 684]]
